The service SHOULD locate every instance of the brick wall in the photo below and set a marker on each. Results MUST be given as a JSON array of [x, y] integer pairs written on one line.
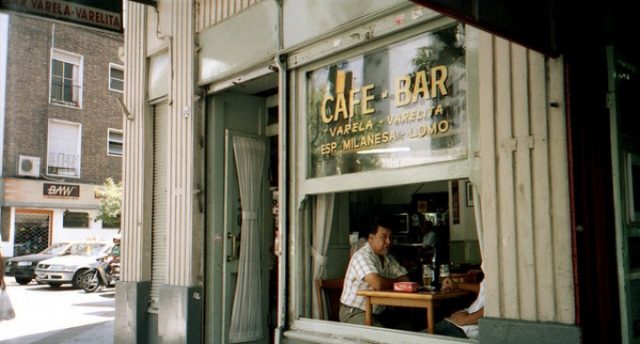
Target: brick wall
[[28, 110]]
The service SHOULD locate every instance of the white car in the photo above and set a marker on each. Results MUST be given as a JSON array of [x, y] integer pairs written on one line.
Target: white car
[[68, 269]]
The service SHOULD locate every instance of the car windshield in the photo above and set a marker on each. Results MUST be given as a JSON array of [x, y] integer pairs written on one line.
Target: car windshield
[[56, 249], [88, 250]]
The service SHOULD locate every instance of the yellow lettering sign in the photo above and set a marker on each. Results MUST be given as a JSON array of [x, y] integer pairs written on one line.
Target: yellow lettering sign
[[422, 87]]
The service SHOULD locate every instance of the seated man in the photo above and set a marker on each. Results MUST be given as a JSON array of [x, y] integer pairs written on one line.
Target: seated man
[[464, 323], [370, 268]]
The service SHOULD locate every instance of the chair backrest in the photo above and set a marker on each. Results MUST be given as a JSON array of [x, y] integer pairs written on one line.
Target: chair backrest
[[329, 292]]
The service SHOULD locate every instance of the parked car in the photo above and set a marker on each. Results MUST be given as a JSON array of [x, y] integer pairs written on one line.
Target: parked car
[[68, 269], [22, 267]]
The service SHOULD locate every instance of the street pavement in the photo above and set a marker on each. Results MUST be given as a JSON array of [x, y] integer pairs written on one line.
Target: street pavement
[[58, 316]]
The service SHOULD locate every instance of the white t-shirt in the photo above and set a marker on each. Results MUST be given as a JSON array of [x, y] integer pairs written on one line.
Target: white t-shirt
[[429, 239], [472, 330]]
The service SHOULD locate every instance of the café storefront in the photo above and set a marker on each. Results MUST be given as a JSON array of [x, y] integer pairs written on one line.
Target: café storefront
[[401, 112], [414, 116]]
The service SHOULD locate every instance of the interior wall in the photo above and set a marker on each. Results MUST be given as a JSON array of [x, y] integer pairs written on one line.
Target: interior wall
[[464, 245]]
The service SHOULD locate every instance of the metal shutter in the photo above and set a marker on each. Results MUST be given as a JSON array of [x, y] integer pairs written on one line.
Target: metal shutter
[[159, 213]]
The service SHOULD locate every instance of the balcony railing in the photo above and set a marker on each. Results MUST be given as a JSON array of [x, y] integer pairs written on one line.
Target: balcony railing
[[65, 95], [61, 164]]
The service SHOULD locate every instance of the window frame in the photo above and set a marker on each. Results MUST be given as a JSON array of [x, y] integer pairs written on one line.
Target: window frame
[[456, 168], [300, 285], [113, 66], [110, 140], [78, 145], [74, 59]]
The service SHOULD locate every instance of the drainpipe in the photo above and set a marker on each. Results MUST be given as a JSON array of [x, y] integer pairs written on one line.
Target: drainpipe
[[281, 62]]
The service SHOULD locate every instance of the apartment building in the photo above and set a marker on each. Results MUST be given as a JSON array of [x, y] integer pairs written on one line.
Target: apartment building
[[61, 130]]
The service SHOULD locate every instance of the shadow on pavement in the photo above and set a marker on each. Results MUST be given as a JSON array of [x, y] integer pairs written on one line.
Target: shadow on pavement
[[98, 333]]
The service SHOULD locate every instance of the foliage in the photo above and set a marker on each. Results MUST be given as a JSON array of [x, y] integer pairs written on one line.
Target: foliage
[[110, 203]]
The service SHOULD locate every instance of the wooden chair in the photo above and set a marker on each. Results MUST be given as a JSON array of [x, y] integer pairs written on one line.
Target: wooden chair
[[329, 291]]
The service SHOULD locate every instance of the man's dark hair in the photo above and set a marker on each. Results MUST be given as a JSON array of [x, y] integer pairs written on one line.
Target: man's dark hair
[[382, 221]]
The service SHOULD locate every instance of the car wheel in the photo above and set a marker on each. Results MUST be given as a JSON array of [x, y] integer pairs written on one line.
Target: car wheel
[[77, 278], [55, 285], [23, 280], [90, 282]]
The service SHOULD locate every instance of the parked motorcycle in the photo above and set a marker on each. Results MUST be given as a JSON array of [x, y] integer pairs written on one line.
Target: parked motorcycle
[[104, 273]]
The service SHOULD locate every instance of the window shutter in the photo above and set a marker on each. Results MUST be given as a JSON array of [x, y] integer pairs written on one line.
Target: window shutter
[[159, 216]]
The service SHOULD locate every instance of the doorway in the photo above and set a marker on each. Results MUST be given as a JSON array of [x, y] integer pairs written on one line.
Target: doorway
[[32, 231], [241, 183]]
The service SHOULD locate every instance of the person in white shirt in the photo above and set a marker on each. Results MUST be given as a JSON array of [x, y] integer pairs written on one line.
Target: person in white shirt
[[429, 237], [464, 323], [429, 241], [370, 268]]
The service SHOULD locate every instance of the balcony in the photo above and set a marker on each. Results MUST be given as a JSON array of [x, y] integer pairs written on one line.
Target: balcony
[[61, 164]]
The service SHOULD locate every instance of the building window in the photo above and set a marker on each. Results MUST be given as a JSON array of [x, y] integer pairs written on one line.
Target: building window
[[75, 220], [116, 78], [64, 142], [114, 144], [111, 223], [66, 79]]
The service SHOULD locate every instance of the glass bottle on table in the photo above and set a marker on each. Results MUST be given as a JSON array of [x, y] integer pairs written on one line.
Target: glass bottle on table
[[435, 265], [427, 275]]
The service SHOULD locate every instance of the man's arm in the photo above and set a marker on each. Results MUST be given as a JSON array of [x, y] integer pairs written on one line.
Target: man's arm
[[378, 282], [464, 318], [448, 283]]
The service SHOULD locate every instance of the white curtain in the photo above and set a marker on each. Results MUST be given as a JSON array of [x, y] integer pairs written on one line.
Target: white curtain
[[247, 314], [322, 222]]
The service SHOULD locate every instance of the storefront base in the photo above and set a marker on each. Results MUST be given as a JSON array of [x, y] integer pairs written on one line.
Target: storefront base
[[131, 312], [507, 331], [179, 319], [180, 316]]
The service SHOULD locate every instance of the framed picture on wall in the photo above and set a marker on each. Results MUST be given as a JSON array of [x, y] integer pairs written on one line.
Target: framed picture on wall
[[469, 192], [421, 206], [633, 186], [455, 202]]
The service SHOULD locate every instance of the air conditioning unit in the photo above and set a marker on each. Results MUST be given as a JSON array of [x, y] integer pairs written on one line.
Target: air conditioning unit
[[29, 166]]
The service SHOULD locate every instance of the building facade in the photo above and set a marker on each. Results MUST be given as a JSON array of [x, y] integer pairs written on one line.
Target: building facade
[[62, 131], [263, 136]]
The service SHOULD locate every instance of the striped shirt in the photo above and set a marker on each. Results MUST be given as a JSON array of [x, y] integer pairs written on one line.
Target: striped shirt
[[363, 262]]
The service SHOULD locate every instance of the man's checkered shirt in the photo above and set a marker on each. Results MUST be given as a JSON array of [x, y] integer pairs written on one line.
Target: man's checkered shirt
[[363, 262]]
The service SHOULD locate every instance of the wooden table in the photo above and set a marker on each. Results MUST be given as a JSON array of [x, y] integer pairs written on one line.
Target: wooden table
[[422, 299]]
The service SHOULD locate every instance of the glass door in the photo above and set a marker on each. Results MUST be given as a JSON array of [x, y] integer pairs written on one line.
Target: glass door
[[624, 85]]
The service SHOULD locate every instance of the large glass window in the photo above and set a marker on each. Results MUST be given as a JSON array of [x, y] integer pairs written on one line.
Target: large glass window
[[385, 133], [433, 229], [400, 105], [66, 79]]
